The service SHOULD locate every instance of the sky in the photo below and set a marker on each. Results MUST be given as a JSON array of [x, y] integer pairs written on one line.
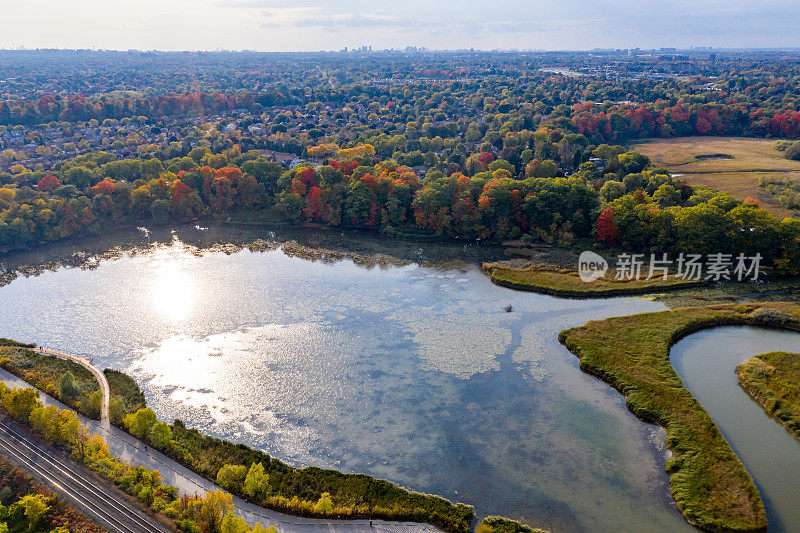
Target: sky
[[308, 25]]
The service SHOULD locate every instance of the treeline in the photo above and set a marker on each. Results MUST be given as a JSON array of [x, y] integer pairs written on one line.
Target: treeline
[[679, 115], [483, 101], [72, 108], [614, 197]]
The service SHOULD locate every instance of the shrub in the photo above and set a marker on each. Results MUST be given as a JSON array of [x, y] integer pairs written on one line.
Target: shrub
[[140, 423], [161, 436], [772, 317], [793, 151], [232, 477], [498, 524], [67, 385]]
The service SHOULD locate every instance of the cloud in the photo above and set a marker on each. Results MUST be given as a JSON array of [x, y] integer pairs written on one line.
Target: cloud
[[262, 4], [332, 24], [355, 21]]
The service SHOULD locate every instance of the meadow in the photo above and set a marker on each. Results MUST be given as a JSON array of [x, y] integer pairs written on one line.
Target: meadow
[[735, 165]]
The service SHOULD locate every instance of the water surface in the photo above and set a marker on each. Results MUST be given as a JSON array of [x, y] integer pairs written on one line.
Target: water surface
[[412, 373], [706, 361]]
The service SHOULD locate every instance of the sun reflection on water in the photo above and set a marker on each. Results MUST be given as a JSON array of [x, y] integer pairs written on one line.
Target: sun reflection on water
[[173, 291]]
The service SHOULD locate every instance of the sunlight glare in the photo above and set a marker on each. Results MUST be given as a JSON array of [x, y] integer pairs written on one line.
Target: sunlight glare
[[173, 290]]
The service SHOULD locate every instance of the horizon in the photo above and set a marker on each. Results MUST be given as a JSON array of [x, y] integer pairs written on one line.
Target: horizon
[[309, 26], [408, 49]]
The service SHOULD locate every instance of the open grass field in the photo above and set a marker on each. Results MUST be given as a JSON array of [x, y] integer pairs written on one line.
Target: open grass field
[[773, 379], [566, 282], [731, 164], [710, 485]]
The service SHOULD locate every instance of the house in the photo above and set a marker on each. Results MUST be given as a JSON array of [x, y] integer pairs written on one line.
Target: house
[[599, 163], [420, 171]]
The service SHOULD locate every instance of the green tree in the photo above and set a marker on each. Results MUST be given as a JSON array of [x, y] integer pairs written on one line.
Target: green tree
[[116, 410], [161, 436], [231, 477], [141, 422], [80, 177], [256, 484], [92, 404], [146, 495], [233, 524], [20, 402], [159, 210], [67, 385], [789, 260], [325, 504], [35, 507], [667, 195], [611, 190]]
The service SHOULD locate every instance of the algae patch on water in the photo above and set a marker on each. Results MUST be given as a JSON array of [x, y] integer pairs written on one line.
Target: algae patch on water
[[459, 341], [528, 354]]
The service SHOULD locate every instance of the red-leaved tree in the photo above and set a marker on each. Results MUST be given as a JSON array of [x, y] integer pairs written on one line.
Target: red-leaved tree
[[606, 227]]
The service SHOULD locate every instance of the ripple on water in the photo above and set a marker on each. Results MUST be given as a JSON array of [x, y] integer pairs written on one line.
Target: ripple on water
[[404, 372]]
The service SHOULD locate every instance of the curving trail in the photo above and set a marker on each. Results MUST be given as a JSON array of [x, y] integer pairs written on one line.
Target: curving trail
[[130, 450], [86, 362]]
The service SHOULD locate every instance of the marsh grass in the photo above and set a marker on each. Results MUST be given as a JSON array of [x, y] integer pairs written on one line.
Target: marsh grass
[[773, 379], [710, 485], [498, 524], [565, 282], [716, 154]]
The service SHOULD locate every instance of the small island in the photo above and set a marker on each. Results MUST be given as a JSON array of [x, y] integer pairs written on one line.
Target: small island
[[710, 485], [773, 380]]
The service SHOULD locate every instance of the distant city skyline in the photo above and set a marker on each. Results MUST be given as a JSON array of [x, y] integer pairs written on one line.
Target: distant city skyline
[[311, 25]]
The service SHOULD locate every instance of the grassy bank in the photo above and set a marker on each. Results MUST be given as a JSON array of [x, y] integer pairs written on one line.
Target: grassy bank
[[565, 282], [498, 524], [773, 379], [300, 490], [288, 489], [631, 353]]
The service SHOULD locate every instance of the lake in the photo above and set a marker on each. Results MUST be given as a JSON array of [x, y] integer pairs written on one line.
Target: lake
[[407, 370]]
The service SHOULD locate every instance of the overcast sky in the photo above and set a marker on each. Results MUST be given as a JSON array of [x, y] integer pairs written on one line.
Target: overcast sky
[[331, 25]]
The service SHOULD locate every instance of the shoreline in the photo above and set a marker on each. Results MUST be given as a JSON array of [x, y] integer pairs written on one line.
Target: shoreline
[[632, 354]]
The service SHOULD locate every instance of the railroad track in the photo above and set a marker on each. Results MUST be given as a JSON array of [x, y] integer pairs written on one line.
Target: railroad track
[[91, 497]]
